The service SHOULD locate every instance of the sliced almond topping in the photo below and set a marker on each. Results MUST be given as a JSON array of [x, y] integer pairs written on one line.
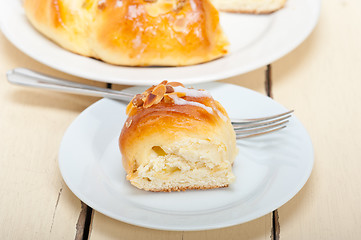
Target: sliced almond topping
[[150, 89], [179, 5], [168, 99], [156, 93], [128, 123], [158, 99], [169, 89], [179, 94], [151, 100], [175, 84], [159, 90], [138, 100]]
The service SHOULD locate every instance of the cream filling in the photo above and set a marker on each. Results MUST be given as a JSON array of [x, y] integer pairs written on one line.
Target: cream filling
[[197, 161]]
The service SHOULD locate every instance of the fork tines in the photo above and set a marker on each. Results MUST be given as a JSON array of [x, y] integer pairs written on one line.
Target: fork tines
[[258, 126]]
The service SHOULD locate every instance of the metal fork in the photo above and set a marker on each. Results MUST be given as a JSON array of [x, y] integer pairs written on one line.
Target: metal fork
[[244, 128]]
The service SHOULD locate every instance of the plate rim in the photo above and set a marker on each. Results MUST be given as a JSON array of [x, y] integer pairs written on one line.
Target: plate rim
[[255, 215]]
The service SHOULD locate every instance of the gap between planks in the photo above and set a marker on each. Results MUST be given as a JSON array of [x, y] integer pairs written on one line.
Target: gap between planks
[[83, 226], [275, 233]]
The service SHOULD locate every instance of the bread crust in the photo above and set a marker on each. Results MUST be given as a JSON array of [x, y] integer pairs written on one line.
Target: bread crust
[[182, 189], [133, 33], [187, 143]]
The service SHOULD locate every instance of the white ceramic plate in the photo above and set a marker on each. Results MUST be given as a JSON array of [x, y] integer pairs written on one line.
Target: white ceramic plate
[[269, 169], [256, 40]]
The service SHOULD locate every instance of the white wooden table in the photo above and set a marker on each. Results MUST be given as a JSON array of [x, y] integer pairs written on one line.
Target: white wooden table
[[321, 80]]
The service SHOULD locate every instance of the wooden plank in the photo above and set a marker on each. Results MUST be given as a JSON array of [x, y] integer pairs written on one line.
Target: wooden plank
[[321, 80], [255, 80], [34, 201], [106, 228], [256, 229]]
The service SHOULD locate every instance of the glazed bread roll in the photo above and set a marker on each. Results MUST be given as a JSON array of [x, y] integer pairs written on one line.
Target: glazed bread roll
[[176, 139], [132, 32], [249, 6]]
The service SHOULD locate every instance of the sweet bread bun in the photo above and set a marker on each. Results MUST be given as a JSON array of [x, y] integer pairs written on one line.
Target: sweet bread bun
[[249, 6], [177, 138], [132, 32]]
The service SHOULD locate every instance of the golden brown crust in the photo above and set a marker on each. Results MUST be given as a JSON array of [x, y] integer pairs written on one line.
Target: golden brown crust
[[62, 21], [152, 36], [132, 32]]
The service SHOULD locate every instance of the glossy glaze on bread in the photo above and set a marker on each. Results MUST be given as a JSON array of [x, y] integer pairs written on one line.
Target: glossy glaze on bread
[[132, 32]]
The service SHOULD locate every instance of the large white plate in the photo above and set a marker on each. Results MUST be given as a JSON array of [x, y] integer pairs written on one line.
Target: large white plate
[[256, 40], [269, 169]]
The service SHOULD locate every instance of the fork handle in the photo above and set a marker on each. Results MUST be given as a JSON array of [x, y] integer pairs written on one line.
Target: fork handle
[[26, 77]]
